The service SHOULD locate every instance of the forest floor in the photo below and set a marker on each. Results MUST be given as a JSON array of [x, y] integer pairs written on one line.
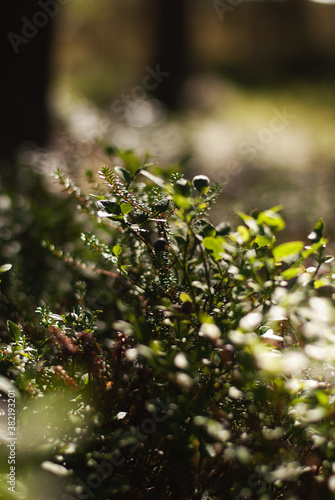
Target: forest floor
[[268, 146]]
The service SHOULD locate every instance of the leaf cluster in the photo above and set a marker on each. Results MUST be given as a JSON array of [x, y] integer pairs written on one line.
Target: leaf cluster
[[214, 376]]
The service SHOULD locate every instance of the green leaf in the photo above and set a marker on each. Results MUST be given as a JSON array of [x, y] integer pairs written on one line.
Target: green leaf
[[182, 201], [97, 196], [212, 245], [162, 205], [107, 208], [292, 272], [202, 206], [287, 250], [317, 232], [244, 233], [139, 170], [153, 178], [205, 228], [139, 216], [271, 218], [264, 241], [117, 249], [322, 398], [320, 283], [14, 331], [184, 297], [309, 250], [124, 174], [126, 208], [5, 267], [248, 220]]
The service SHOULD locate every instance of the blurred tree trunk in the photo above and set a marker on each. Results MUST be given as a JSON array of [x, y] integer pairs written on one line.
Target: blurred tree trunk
[[307, 57], [171, 49], [280, 37], [26, 44]]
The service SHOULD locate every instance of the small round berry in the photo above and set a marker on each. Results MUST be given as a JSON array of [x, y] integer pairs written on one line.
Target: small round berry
[[161, 245], [201, 183]]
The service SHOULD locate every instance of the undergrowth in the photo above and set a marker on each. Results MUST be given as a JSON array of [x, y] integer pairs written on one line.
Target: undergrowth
[[205, 369]]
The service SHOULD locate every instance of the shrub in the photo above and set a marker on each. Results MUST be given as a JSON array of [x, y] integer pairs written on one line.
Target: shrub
[[212, 376]]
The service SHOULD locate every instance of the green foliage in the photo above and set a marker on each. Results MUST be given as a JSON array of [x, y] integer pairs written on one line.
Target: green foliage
[[213, 375]]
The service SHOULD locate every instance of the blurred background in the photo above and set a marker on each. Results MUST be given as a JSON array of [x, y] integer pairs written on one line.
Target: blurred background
[[240, 90]]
